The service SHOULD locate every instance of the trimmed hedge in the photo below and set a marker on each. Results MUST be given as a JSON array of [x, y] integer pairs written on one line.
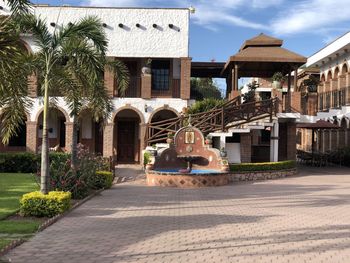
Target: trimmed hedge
[[102, 179], [268, 166], [19, 162], [25, 162], [40, 205]]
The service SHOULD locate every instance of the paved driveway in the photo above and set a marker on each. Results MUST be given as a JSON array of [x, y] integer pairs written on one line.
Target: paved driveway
[[299, 219]]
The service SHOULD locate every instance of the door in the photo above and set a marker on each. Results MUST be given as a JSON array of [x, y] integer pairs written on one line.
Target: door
[[126, 142]]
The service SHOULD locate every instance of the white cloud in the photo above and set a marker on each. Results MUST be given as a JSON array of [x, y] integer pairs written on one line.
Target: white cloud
[[307, 16]]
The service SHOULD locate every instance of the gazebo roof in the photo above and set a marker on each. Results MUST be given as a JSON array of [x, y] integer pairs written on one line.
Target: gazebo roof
[[263, 56], [320, 124]]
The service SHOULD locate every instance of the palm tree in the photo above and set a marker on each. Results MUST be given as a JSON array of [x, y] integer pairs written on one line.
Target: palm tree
[[58, 49], [14, 70], [81, 82]]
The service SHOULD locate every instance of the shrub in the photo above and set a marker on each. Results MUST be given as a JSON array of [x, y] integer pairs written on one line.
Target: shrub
[[205, 105], [40, 205], [268, 166], [102, 179], [23, 162], [146, 158], [80, 182]]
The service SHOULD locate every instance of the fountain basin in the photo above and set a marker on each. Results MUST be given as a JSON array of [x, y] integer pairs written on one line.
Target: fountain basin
[[194, 179]]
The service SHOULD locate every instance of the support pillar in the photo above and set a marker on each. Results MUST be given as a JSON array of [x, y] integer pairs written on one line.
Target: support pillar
[[69, 136], [235, 91], [108, 140], [185, 86], [31, 136], [246, 148], [146, 86], [109, 80], [274, 143], [291, 141]]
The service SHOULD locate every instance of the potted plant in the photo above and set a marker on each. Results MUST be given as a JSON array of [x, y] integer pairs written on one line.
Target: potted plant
[[146, 69], [170, 138], [147, 161], [223, 152], [277, 80], [208, 140]]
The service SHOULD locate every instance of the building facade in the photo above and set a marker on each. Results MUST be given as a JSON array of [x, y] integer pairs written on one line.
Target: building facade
[[158, 38], [333, 97]]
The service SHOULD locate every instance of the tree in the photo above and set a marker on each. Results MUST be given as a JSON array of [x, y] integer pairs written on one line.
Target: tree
[[250, 95], [14, 70], [202, 88], [73, 59]]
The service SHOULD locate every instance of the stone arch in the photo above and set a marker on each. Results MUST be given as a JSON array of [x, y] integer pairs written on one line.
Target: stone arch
[[66, 115], [26, 46], [129, 107], [323, 78], [344, 68], [59, 125], [128, 134], [329, 75], [164, 108], [336, 73]]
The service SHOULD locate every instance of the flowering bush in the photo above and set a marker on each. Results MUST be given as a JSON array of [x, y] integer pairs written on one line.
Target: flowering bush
[[81, 181]]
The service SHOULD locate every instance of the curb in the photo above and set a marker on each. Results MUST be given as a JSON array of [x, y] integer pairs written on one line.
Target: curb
[[49, 222]]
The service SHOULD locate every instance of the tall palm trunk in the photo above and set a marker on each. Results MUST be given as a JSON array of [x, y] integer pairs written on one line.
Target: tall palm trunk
[[74, 144], [45, 176]]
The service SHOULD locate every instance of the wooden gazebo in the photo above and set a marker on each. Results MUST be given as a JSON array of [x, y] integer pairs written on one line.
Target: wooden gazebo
[[261, 56]]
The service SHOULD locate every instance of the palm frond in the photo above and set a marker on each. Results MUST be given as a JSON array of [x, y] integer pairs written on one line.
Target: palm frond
[[19, 7], [121, 74], [87, 28]]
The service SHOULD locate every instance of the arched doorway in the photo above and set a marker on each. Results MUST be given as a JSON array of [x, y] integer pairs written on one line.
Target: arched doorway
[[56, 129], [18, 140], [90, 132], [161, 115], [127, 136]]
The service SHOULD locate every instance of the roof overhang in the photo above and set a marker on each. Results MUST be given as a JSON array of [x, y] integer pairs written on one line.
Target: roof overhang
[[333, 50], [207, 69]]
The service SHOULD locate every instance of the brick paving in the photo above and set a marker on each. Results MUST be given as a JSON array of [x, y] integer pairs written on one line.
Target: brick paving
[[298, 219]]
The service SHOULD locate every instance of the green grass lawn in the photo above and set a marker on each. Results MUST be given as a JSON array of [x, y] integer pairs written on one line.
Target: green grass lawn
[[12, 187]]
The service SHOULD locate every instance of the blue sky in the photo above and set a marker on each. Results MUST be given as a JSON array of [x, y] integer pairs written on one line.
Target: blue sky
[[218, 28]]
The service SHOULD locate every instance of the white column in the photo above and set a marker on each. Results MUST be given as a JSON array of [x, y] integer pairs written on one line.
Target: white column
[[274, 143], [222, 141]]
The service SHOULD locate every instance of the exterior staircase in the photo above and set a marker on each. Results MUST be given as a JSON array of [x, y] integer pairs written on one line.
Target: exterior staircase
[[232, 114]]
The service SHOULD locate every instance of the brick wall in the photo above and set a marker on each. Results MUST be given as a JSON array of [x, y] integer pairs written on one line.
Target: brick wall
[[108, 140], [291, 141], [146, 86], [32, 138], [109, 80], [32, 86], [246, 148], [185, 89]]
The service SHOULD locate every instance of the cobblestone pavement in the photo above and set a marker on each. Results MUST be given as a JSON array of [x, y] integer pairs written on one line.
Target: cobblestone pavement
[[298, 219]]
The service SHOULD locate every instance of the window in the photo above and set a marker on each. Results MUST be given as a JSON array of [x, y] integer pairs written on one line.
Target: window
[[160, 74]]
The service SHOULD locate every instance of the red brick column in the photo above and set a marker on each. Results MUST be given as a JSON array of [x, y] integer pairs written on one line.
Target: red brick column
[[32, 86], [296, 101], [185, 89], [246, 148], [109, 80], [146, 86], [69, 136], [31, 136], [277, 94], [291, 140], [108, 140]]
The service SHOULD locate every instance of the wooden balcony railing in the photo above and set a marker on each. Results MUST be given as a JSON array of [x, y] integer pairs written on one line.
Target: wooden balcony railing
[[231, 114]]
